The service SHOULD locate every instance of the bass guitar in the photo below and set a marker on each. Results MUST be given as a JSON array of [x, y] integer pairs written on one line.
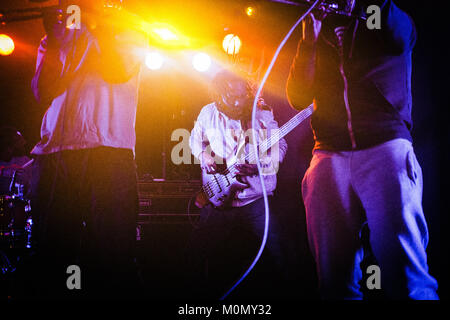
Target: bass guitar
[[219, 188]]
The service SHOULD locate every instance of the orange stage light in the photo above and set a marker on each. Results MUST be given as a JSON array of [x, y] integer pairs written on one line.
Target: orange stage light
[[250, 11], [165, 34], [6, 45], [231, 44]]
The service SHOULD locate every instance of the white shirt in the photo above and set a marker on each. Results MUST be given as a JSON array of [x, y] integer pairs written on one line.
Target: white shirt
[[90, 112], [215, 131]]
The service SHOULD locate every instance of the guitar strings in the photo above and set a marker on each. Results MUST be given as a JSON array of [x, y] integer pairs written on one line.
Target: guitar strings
[[263, 147]]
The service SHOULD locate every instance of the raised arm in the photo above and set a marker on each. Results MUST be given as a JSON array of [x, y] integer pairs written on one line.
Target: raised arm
[[120, 54], [300, 83], [48, 64]]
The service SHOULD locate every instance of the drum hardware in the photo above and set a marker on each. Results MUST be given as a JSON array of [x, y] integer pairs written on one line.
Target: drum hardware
[[16, 222]]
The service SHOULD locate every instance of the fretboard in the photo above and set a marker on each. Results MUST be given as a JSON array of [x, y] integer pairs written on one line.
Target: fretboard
[[280, 133]]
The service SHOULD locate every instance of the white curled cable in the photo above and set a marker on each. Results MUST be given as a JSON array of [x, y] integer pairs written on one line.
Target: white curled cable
[[256, 151]]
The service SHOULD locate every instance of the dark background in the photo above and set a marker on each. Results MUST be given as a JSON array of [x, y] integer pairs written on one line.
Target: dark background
[[172, 99]]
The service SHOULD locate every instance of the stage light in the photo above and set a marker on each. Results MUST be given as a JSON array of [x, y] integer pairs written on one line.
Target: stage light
[[165, 34], [250, 11], [113, 4], [6, 45], [231, 44], [201, 62], [154, 60]]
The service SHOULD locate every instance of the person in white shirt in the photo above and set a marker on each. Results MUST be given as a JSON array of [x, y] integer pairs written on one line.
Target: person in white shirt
[[222, 132], [85, 198]]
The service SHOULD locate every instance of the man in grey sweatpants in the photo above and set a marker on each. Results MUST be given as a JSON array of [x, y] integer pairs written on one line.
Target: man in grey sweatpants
[[364, 170]]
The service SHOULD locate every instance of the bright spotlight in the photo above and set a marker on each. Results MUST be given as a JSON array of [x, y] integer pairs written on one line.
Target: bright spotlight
[[250, 11], [231, 44], [154, 60], [6, 45], [165, 34], [201, 62]]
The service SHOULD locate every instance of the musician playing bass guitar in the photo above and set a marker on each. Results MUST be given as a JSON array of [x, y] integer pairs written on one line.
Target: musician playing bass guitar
[[223, 132]]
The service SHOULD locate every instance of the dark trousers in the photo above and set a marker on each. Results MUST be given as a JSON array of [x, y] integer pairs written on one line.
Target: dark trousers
[[223, 246], [85, 209]]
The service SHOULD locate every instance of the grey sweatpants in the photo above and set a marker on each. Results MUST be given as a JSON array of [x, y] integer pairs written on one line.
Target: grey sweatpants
[[382, 186]]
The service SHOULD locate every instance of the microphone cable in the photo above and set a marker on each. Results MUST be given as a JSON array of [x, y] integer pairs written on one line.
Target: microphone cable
[[256, 151]]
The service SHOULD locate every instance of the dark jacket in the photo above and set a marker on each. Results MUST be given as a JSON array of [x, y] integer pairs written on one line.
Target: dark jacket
[[377, 68]]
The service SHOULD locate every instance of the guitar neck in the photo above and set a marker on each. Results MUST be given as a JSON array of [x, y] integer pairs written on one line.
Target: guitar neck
[[281, 133], [210, 188]]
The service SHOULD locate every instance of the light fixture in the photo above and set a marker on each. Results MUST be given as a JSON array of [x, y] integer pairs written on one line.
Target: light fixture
[[231, 44], [6, 45], [154, 60], [201, 62]]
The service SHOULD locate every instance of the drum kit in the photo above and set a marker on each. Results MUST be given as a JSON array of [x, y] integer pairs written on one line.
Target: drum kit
[[15, 229]]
